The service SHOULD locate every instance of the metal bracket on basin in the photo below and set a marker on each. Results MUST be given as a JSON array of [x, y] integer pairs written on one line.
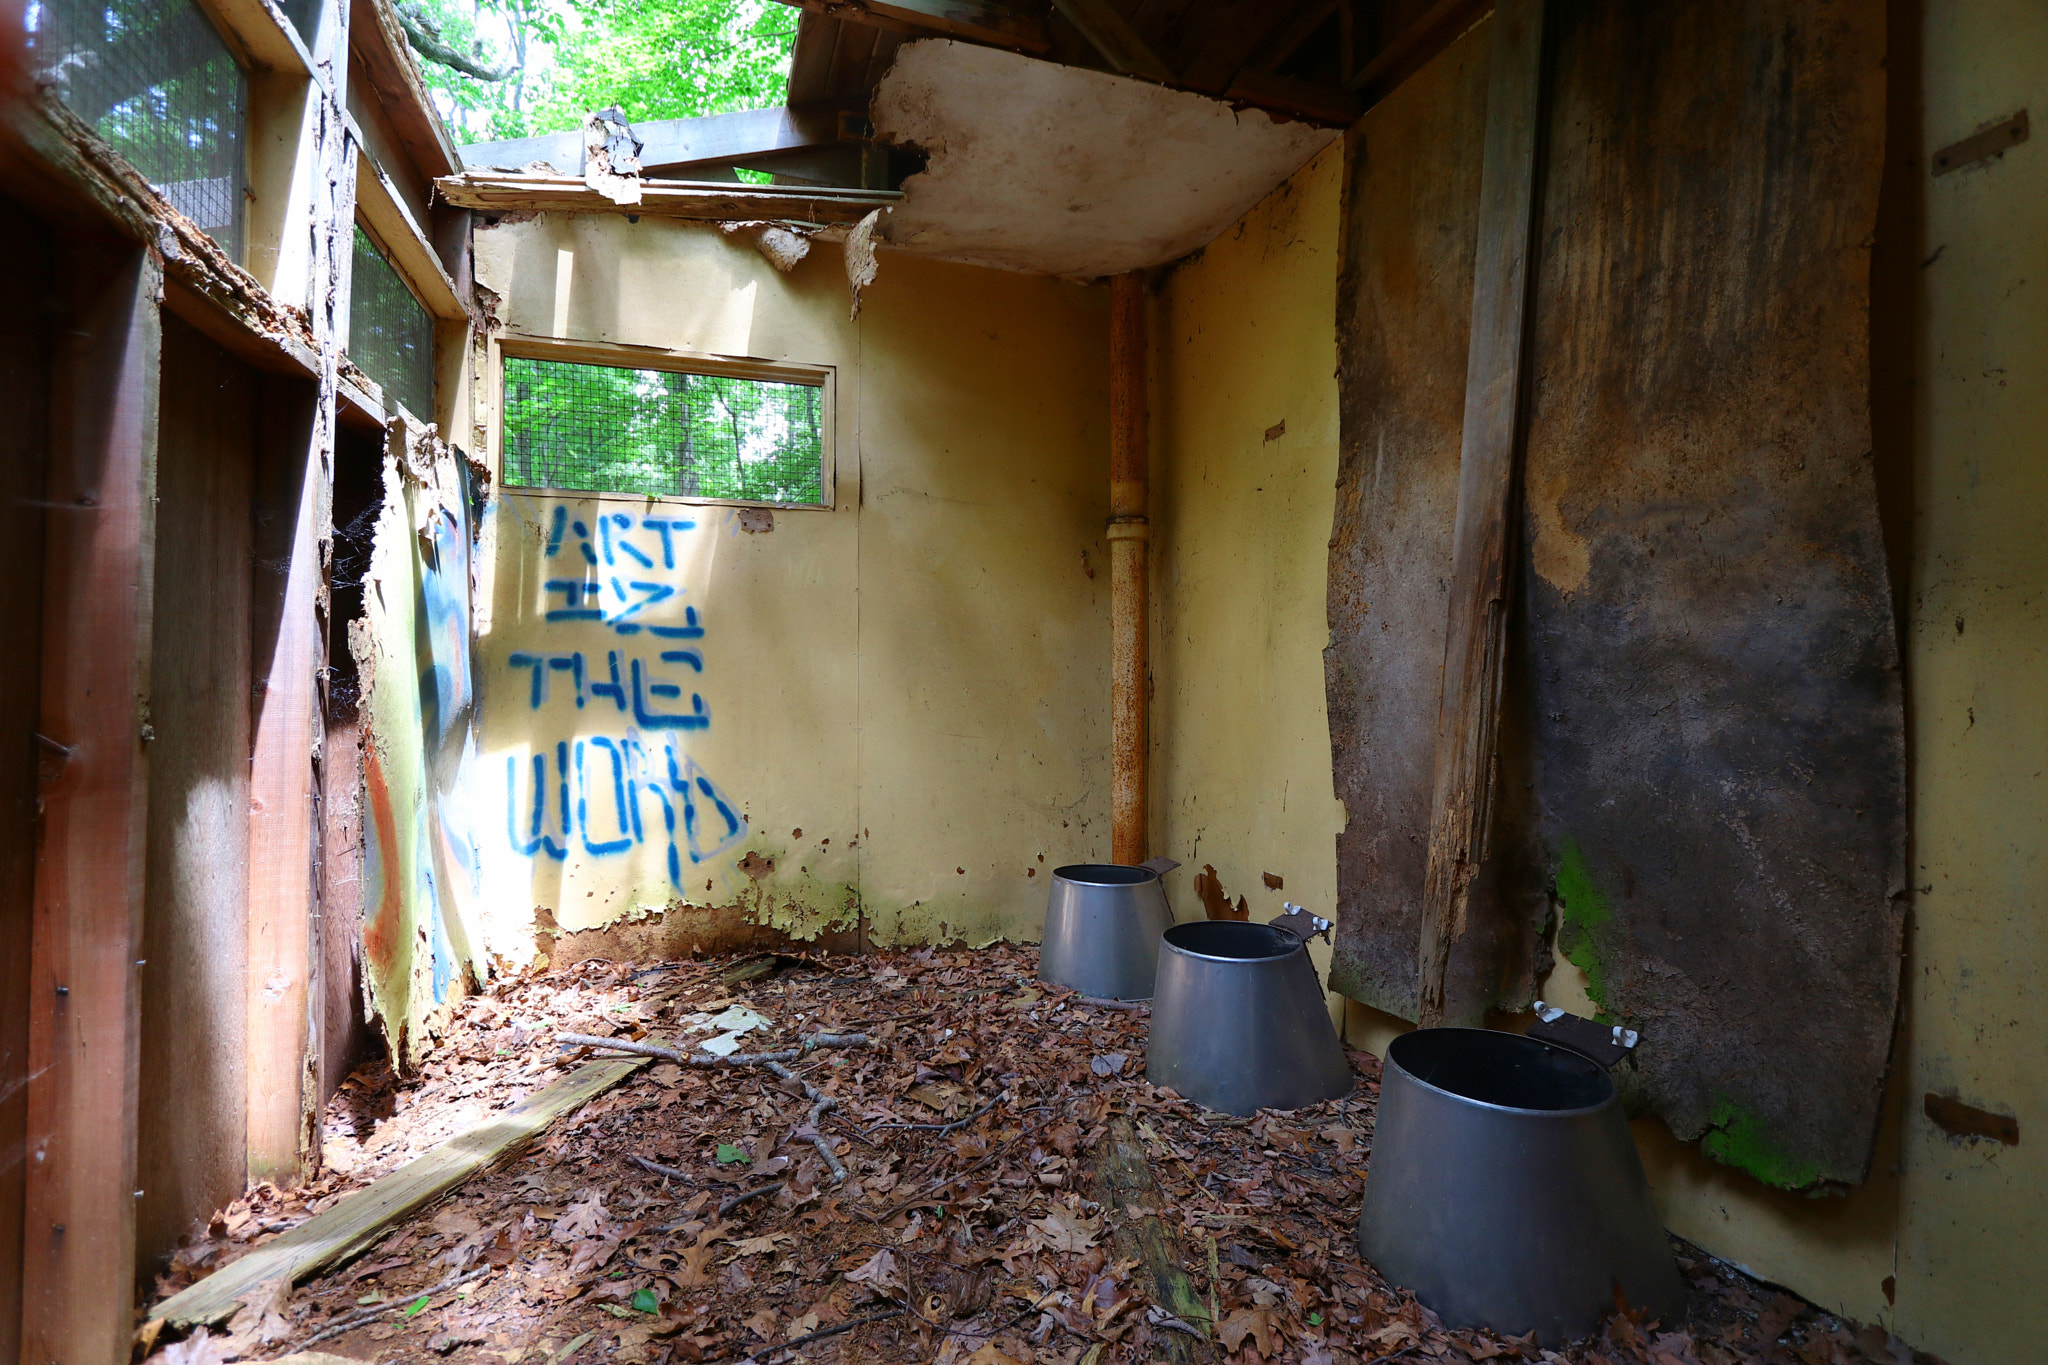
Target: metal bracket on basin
[[1301, 923], [1604, 1044]]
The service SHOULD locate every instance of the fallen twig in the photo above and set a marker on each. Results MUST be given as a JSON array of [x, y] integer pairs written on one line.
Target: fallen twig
[[729, 1205], [940, 1128], [836, 1329], [767, 1059], [820, 1103], [345, 1325], [1127, 1006], [656, 1168]]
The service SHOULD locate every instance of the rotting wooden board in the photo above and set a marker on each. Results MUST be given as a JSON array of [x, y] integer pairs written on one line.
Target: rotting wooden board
[[1404, 316], [352, 1224], [663, 199], [1719, 745], [1468, 715], [1125, 1183]]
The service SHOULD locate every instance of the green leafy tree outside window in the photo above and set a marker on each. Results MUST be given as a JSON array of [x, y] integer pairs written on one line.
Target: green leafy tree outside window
[[662, 433], [560, 59]]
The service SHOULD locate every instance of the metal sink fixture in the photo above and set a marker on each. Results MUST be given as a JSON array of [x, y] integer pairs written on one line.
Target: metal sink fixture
[[1102, 928], [1504, 1188], [1238, 1021]]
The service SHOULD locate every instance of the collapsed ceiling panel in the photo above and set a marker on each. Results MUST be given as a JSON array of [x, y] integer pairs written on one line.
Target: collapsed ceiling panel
[[1062, 171]]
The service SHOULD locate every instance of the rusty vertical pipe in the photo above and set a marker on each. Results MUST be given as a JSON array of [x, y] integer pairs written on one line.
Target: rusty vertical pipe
[[1129, 535]]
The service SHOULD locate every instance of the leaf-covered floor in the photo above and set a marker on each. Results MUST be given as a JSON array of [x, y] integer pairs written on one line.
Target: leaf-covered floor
[[976, 1246]]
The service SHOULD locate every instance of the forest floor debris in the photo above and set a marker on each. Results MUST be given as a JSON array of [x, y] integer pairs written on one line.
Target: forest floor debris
[[691, 1214]]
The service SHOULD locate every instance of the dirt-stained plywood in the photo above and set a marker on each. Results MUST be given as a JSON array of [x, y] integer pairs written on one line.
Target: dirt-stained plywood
[[1701, 775], [1404, 305], [1719, 740]]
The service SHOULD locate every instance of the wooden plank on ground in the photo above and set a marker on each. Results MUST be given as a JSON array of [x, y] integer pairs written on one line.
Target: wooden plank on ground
[[1468, 709], [1132, 1198], [359, 1219]]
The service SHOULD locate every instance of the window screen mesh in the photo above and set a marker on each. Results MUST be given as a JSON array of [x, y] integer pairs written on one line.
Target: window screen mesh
[[154, 79], [605, 429], [390, 335], [302, 13]]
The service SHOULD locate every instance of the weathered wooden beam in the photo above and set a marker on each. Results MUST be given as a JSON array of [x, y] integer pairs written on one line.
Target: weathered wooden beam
[[667, 199], [1285, 41], [980, 21], [391, 74], [1301, 99], [290, 608], [1482, 537], [84, 1004], [669, 143], [1410, 49], [1129, 532], [1115, 37], [1229, 46], [380, 205]]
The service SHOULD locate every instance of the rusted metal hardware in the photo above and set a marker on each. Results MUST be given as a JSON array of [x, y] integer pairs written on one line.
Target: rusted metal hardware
[[1604, 1044]]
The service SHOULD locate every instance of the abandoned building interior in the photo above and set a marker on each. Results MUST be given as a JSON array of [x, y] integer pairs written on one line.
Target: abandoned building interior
[[1555, 487]]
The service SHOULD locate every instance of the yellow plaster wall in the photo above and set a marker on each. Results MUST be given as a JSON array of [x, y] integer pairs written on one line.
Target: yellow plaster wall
[[914, 678], [1244, 438]]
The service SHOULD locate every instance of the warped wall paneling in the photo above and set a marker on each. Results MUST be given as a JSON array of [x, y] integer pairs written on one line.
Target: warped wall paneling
[[1719, 747], [1701, 794], [1404, 319]]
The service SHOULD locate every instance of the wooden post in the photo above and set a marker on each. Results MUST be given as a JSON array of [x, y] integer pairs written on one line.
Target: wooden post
[[295, 489], [84, 987], [1129, 536], [1468, 711]]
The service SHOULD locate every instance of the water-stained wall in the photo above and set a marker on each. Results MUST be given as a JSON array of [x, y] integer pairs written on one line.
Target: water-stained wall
[[886, 717], [1244, 437]]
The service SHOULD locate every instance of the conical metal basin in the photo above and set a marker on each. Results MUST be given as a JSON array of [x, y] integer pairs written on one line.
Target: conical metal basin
[[1238, 1020], [1102, 928], [1505, 1190]]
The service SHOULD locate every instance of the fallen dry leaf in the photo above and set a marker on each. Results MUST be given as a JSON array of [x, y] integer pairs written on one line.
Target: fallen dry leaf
[[1062, 1230], [878, 1271], [1257, 1323]]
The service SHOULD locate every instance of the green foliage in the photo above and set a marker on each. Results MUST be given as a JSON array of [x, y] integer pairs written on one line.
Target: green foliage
[[605, 429], [644, 1300], [654, 59], [727, 1154]]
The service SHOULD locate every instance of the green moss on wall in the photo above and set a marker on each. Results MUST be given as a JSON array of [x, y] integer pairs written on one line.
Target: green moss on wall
[[1583, 913], [1739, 1139]]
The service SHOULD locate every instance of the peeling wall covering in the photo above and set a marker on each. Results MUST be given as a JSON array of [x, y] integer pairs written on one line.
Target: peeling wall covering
[[904, 696], [424, 934], [1244, 433], [1037, 166]]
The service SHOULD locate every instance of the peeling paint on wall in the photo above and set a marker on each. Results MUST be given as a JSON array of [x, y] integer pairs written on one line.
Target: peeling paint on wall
[[423, 933]]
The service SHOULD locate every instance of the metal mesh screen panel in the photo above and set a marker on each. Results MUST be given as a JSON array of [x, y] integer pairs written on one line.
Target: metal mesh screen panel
[[607, 429], [302, 13], [390, 334], [154, 78]]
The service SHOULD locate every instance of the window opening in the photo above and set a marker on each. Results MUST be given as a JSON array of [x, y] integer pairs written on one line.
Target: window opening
[[390, 333], [154, 79], [663, 433]]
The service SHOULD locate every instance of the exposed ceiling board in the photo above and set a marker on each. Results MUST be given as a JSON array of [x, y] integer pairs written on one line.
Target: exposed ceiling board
[[1062, 171]]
